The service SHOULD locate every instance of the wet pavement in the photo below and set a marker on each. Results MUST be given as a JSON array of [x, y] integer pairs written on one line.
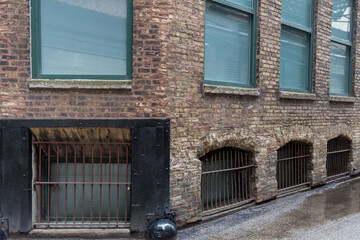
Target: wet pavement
[[329, 212]]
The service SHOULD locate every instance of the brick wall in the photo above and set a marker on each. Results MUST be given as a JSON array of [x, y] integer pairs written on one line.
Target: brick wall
[[168, 56]]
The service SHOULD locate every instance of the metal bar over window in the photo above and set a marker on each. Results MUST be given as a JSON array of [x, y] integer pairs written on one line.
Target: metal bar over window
[[82, 184], [337, 160], [292, 165], [226, 179]]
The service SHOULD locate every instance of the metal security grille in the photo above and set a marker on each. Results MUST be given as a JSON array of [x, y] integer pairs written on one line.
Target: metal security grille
[[82, 184], [226, 179], [292, 165], [337, 162]]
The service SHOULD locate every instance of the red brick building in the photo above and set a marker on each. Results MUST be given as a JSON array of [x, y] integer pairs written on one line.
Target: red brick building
[[261, 96]]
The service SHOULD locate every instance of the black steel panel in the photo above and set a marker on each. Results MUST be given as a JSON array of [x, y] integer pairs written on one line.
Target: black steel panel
[[26, 180], [6, 123], [12, 186], [1, 172], [150, 175]]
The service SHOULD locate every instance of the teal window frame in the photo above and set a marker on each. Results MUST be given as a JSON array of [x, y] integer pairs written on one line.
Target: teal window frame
[[36, 48], [348, 44], [310, 32], [253, 39]]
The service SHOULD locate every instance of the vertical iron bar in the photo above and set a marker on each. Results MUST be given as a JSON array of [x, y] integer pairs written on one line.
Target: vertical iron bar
[[57, 181], [227, 176], [39, 200], [66, 179], [92, 183], [74, 217], [215, 183], [117, 185], [83, 187], [100, 185], [211, 187], [48, 186], [109, 183]]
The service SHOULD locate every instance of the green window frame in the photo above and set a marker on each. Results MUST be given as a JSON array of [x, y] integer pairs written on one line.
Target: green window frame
[[247, 8], [36, 54], [341, 52], [293, 25]]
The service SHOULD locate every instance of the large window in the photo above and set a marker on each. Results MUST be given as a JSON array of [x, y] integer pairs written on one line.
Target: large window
[[341, 48], [296, 45], [230, 42], [81, 39]]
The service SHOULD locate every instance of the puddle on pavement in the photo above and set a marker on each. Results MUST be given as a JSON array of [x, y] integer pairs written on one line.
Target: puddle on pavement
[[316, 209]]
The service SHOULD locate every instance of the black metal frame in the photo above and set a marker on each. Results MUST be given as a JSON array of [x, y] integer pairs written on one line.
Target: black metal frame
[[150, 170]]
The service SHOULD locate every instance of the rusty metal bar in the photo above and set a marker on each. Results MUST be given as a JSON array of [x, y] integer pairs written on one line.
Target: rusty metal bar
[[225, 179], [65, 155], [292, 165], [338, 151]]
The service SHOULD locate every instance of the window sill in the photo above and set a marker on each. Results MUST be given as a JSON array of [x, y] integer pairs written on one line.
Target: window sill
[[341, 99], [211, 89], [80, 84], [297, 95]]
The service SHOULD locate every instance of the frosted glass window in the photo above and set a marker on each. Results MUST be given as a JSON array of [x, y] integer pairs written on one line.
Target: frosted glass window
[[341, 19], [245, 3], [227, 46], [339, 69], [297, 12], [83, 37], [294, 59]]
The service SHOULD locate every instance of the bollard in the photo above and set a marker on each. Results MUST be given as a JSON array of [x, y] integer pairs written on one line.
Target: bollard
[[161, 229]]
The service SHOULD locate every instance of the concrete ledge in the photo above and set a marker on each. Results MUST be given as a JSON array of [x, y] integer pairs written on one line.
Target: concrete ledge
[[79, 233], [80, 84], [297, 95], [341, 99], [211, 89]]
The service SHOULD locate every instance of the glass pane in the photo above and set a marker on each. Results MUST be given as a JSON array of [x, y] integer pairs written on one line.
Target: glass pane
[[227, 41], [83, 37], [245, 3], [297, 11], [341, 19], [61, 190], [339, 69], [294, 60]]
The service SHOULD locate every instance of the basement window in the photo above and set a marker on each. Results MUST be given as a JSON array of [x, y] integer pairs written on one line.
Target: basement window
[[338, 157], [226, 179], [292, 166], [81, 179]]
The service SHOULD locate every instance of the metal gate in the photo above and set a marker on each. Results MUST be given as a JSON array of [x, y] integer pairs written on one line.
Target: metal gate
[[226, 179], [292, 165], [337, 161], [82, 184]]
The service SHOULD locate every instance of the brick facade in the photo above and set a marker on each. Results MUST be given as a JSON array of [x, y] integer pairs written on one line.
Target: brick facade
[[167, 82]]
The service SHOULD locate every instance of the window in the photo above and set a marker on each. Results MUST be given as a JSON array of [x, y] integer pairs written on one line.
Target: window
[[341, 45], [230, 43], [81, 39], [227, 177], [82, 184], [296, 45], [338, 157], [292, 165]]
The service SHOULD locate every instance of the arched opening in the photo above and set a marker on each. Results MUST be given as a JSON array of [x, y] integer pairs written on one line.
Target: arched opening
[[338, 157], [293, 166], [226, 179]]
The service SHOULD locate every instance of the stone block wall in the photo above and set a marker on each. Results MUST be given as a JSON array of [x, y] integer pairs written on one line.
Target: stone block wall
[[167, 82]]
